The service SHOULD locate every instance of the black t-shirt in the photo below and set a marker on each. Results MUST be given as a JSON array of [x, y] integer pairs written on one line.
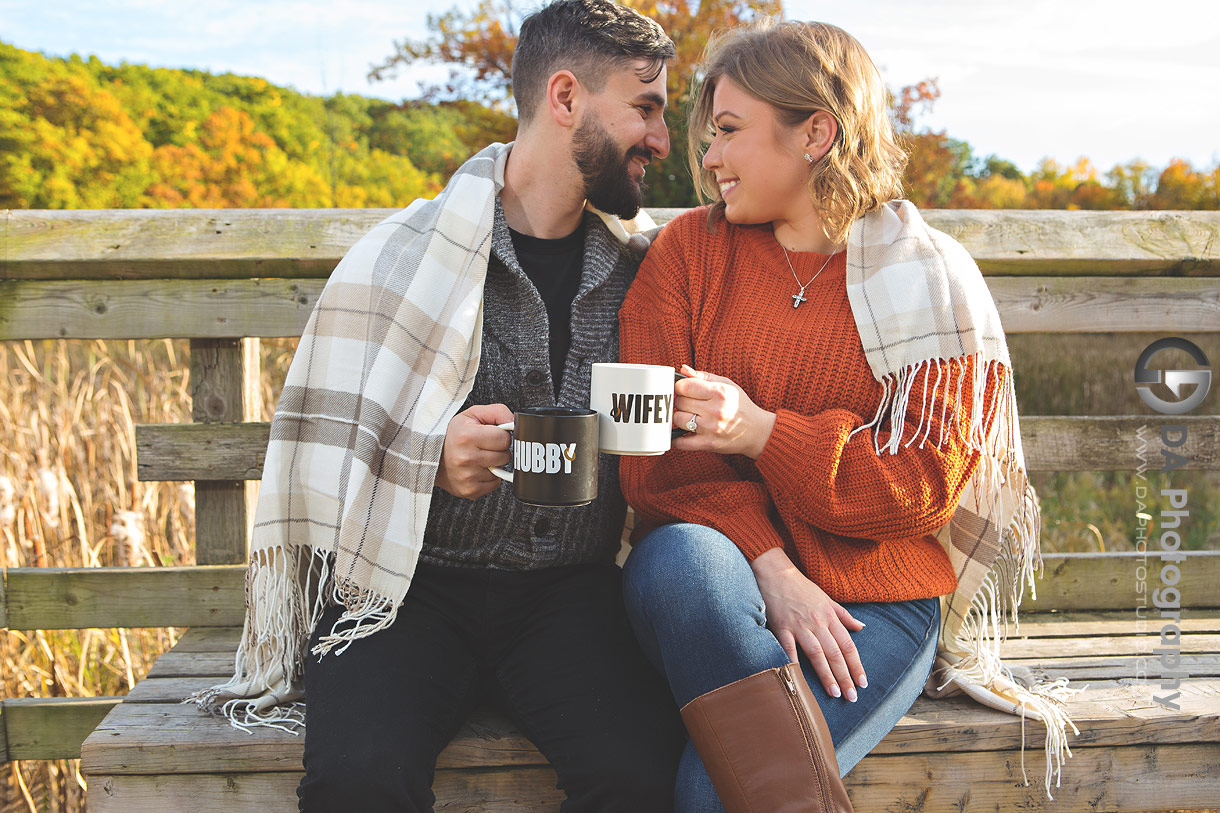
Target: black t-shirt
[[554, 266]]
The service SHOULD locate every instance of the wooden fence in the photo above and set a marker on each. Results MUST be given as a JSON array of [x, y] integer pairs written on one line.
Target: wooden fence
[[225, 278]]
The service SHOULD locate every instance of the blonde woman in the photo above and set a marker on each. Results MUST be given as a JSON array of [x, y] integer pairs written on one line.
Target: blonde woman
[[850, 424]]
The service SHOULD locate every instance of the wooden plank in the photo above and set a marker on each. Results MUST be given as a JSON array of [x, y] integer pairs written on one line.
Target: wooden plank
[[218, 308], [1132, 779], [162, 736], [1121, 779], [176, 738], [216, 664], [155, 309], [1112, 581], [234, 451], [223, 376], [182, 243], [1118, 667], [209, 639], [1117, 443], [250, 243], [201, 451], [1109, 713], [80, 598], [50, 727], [168, 690], [520, 790], [1066, 243], [1106, 304], [1193, 643], [1079, 623], [1129, 779]]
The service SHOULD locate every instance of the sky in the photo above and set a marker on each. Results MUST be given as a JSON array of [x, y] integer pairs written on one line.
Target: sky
[[1112, 81]]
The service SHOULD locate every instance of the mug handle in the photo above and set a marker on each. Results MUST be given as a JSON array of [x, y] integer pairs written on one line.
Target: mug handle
[[678, 431], [506, 476]]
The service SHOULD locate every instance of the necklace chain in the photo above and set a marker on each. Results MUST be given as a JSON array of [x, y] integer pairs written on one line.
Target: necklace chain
[[799, 296]]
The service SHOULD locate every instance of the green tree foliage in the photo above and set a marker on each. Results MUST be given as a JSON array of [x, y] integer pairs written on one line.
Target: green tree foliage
[[77, 133], [65, 142]]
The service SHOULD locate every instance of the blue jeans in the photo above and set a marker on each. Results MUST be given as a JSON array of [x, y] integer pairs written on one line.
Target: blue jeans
[[693, 601]]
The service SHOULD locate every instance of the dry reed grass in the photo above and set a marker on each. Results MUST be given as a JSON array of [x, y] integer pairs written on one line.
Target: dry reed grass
[[69, 497]]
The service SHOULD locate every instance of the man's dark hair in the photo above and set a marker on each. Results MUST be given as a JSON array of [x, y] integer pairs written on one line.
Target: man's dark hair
[[588, 37]]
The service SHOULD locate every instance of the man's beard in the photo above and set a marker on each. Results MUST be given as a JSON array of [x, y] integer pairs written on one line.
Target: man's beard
[[608, 185]]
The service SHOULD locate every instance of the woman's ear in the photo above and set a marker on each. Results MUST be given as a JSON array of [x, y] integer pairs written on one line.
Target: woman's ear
[[820, 130], [561, 91]]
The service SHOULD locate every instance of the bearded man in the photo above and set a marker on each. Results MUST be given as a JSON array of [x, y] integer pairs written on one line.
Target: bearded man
[[497, 296]]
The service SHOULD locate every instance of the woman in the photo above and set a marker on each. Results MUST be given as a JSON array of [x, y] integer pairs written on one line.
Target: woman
[[852, 453]]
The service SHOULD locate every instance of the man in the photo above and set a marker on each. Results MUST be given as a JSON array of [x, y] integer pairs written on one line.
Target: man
[[513, 605]]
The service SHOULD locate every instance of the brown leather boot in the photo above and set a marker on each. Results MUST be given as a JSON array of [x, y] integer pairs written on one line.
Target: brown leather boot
[[765, 745]]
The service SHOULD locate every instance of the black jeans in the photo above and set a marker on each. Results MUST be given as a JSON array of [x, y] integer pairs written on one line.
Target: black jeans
[[551, 649]]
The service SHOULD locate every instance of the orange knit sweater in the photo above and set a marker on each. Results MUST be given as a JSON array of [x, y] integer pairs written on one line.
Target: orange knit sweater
[[858, 524]]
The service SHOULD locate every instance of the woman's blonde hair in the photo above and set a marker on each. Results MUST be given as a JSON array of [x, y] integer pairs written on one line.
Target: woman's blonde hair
[[799, 68]]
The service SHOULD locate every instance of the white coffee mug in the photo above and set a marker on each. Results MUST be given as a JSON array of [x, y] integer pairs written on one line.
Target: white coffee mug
[[635, 403]]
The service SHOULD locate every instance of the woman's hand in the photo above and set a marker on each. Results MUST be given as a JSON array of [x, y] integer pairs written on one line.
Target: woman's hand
[[800, 613], [728, 421]]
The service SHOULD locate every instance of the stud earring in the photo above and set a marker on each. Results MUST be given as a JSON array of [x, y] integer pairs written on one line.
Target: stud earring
[[809, 158]]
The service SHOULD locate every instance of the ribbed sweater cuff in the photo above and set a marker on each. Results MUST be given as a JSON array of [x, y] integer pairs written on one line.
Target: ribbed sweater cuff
[[752, 531], [798, 443]]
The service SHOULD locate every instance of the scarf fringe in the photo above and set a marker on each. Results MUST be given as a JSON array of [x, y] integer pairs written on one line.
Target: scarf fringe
[[897, 389], [366, 611], [985, 627], [970, 662], [285, 598]]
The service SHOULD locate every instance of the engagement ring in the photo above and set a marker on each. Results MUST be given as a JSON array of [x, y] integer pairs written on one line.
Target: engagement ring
[[691, 426]]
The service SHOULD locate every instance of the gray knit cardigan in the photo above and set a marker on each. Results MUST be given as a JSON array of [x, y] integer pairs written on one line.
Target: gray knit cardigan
[[497, 530]]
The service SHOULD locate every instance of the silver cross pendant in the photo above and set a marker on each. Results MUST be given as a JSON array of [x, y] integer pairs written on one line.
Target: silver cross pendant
[[798, 298]]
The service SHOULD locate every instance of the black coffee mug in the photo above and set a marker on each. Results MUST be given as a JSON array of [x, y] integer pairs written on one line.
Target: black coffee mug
[[554, 456]]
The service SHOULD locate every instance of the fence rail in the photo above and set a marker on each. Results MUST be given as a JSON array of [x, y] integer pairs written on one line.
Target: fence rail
[[307, 243]]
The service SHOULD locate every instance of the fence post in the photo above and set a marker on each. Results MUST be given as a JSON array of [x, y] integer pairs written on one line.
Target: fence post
[[225, 378]]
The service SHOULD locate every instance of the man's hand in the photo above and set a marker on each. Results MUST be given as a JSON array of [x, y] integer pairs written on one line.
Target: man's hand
[[472, 444]]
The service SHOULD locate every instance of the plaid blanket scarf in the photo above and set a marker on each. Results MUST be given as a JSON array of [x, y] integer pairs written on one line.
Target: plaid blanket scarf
[[387, 358], [919, 301]]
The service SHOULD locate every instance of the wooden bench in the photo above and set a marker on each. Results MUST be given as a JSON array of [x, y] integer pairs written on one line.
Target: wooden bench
[[223, 279]]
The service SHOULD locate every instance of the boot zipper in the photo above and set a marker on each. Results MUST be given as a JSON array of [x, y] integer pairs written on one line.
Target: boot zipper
[[819, 767]]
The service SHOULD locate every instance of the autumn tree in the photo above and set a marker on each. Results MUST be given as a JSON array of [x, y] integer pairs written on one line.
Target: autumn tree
[[478, 46], [1180, 186], [232, 165], [77, 132], [65, 140]]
